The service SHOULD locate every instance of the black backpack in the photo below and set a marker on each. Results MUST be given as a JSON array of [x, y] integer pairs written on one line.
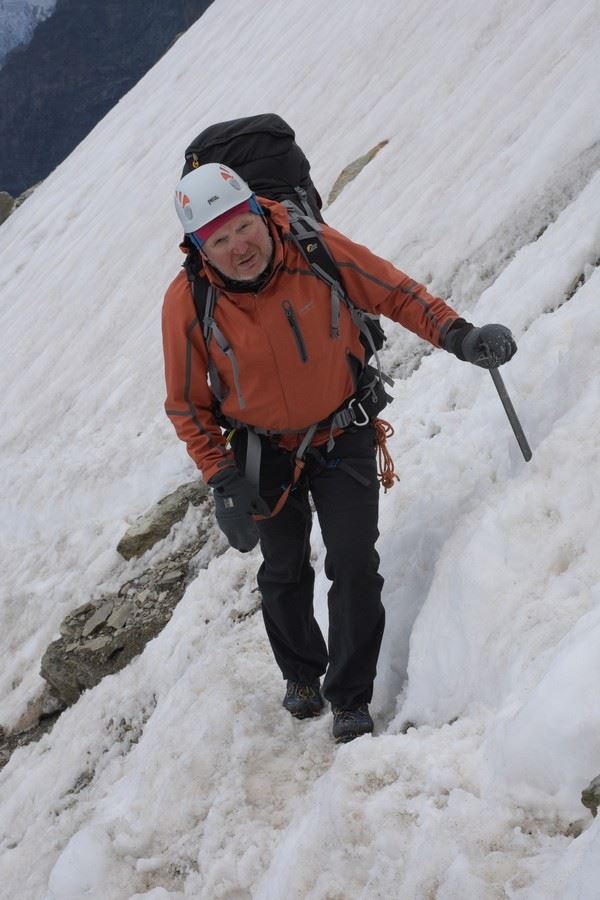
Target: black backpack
[[263, 151]]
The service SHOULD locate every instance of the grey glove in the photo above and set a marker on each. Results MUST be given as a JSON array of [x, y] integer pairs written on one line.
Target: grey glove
[[489, 346], [236, 500]]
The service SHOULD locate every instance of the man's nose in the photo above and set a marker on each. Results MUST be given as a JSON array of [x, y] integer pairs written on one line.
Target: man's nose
[[240, 244]]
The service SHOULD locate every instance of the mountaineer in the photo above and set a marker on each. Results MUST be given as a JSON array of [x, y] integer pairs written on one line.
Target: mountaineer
[[271, 388]]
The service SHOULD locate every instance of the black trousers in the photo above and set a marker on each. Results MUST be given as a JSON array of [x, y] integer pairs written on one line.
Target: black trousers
[[345, 491]]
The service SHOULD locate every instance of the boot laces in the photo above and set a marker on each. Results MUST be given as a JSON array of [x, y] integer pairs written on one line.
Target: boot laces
[[349, 715], [303, 691]]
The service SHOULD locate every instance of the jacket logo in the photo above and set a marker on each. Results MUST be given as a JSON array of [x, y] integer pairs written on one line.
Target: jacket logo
[[310, 248]]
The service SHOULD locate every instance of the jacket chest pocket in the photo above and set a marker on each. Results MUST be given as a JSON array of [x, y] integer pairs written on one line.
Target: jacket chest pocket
[[293, 323]]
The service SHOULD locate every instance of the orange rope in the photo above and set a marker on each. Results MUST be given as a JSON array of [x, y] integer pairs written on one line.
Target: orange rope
[[385, 470]]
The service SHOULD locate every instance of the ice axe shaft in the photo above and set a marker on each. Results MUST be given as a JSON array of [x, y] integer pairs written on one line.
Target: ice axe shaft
[[510, 412]]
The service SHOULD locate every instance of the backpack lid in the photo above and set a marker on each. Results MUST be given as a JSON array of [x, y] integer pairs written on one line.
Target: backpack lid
[[240, 141], [263, 151]]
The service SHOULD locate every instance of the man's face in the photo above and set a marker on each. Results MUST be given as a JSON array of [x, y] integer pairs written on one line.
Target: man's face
[[241, 248]]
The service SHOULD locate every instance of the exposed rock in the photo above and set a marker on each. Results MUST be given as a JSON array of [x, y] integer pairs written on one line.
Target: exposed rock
[[100, 638], [39, 717], [120, 614], [7, 204], [44, 705], [237, 615], [590, 796], [575, 829], [98, 644], [350, 172], [23, 197], [10, 742], [70, 627], [156, 524], [98, 618]]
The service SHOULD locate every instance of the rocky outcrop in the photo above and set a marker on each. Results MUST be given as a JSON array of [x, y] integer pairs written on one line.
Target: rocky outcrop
[[102, 636], [79, 63], [351, 171], [590, 796], [156, 524], [39, 717], [7, 204]]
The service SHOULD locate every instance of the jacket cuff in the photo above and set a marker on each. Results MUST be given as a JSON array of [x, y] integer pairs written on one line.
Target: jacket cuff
[[223, 476], [455, 336], [225, 463]]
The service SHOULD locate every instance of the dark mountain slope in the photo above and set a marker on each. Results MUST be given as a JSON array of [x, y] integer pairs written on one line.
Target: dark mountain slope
[[80, 61]]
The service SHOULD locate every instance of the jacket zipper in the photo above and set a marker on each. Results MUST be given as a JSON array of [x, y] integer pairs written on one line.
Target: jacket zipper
[[291, 317]]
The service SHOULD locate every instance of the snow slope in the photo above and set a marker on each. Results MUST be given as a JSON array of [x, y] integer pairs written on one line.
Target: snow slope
[[181, 776]]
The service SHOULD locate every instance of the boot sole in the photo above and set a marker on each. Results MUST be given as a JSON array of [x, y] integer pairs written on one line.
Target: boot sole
[[305, 715], [345, 738]]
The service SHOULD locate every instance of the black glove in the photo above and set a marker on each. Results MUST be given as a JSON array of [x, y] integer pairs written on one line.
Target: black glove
[[489, 346], [235, 502]]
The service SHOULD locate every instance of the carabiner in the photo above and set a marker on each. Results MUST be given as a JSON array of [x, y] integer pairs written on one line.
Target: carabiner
[[356, 422]]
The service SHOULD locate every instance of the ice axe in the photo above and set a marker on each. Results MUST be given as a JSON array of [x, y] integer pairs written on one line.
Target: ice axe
[[510, 412]]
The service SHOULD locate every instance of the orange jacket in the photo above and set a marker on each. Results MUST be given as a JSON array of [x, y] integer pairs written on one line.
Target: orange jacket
[[285, 386]]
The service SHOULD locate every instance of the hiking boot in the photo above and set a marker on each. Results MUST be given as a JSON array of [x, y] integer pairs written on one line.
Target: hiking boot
[[351, 723], [303, 700]]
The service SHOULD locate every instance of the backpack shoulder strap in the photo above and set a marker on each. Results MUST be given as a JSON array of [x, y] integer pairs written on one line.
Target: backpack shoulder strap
[[204, 296], [306, 234]]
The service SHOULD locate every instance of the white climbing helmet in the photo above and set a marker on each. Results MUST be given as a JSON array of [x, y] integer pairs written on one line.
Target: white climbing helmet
[[206, 193]]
